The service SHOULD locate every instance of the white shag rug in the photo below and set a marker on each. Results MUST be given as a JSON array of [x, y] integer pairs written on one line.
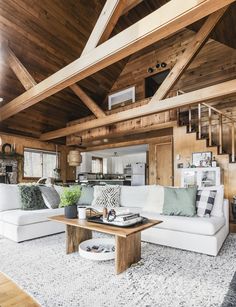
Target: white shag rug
[[165, 277]]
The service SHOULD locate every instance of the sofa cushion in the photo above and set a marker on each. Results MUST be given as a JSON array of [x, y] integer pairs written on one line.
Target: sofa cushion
[[196, 225], [50, 196], [219, 200], [31, 197], [87, 195], [107, 196], [155, 199], [9, 197], [134, 196], [59, 189], [22, 217], [180, 201], [205, 202]]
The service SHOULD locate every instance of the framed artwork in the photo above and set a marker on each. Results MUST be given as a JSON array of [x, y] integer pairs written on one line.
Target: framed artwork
[[202, 159]]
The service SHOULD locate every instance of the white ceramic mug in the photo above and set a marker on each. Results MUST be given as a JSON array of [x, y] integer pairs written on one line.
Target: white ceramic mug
[[82, 213]]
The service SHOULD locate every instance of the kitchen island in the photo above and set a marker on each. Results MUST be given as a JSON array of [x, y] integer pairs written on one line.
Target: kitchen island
[[106, 181]]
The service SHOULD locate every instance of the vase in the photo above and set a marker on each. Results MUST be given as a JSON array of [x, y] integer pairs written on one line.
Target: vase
[[71, 212]]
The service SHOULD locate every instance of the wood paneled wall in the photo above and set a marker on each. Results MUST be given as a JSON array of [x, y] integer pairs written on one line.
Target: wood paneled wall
[[67, 172], [185, 144], [215, 63]]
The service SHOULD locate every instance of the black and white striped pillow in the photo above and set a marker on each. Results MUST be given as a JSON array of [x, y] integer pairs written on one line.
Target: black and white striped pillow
[[106, 196], [205, 201]]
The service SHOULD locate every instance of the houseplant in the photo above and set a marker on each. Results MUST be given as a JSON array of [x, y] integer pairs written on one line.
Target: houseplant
[[69, 199]]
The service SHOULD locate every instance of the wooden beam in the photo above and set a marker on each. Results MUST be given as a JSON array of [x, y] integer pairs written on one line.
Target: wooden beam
[[113, 21], [163, 22], [127, 133], [212, 92], [89, 102], [104, 24], [20, 71], [162, 139], [189, 54]]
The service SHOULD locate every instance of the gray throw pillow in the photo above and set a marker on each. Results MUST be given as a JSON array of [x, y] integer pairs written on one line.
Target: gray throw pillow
[[107, 196], [180, 201], [86, 196], [50, 197], [31, 198]]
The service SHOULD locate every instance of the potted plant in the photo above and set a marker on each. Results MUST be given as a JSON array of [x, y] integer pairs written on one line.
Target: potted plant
[[69, 199]]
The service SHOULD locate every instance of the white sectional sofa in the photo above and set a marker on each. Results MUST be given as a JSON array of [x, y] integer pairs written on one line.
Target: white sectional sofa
[[19, 225], [203, 235]]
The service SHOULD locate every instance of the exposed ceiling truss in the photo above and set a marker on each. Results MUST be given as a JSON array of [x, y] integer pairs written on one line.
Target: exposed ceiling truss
[[163, 22]]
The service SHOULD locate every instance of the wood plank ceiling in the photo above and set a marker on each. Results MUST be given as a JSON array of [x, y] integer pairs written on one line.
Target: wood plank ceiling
[[46, 35]]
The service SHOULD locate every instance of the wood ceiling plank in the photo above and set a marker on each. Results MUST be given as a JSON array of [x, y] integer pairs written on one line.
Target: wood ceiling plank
[[163, 22], [216, 91], [189, 54], [20, 71], [130, 4]]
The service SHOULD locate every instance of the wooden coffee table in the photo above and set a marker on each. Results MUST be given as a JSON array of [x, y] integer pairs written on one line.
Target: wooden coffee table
[[127, 240]]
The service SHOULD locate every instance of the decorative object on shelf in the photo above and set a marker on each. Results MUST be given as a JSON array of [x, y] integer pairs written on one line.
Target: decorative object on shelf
[[214, 162], [7, 148], [180, 165], [202, 159], [69, 199], [74, 158]]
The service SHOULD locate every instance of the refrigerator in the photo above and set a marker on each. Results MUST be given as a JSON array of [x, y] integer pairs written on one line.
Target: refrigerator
[[138, 174]]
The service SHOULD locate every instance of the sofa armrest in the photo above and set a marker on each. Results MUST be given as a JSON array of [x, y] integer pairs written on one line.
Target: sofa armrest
[[226, 212]]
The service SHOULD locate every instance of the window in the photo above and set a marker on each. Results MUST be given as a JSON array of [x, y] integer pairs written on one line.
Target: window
[[121, 98], [153, 82], [97, 165], [38, 163]]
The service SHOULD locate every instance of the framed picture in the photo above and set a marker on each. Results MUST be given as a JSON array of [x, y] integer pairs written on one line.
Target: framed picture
[[202, 159]]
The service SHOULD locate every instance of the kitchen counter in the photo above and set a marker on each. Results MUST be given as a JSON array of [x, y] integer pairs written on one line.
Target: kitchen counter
[[109, 181]]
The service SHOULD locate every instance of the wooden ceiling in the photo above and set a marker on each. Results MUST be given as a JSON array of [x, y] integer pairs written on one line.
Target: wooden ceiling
[[46, 35]]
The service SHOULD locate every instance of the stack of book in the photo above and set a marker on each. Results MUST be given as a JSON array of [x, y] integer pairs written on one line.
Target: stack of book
[[126, 219]]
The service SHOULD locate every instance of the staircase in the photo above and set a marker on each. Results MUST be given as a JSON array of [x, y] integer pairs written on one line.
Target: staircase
[[211, 125]]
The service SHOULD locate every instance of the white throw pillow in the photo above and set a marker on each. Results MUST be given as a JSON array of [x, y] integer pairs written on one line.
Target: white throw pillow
[[134, 196], [9, 197], [155, 199], [219, 200], [107, 196]]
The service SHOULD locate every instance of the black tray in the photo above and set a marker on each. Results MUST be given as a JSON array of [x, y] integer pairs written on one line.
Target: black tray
[[97, 219]]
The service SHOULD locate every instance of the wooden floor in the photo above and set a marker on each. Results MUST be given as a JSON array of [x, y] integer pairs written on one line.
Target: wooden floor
[[12, 295]]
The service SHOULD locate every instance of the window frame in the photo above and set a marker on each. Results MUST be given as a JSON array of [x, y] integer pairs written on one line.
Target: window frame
[[41, 151]]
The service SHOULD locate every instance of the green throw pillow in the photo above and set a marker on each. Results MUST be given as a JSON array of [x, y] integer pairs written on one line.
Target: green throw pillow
[[180, 201], [86, 197], [31, 198]]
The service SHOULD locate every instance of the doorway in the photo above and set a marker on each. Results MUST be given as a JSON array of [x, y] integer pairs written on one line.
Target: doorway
[[161, 164]]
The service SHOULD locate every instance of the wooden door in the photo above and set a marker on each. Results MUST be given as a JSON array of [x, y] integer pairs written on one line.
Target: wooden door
[[164, 164], [160, 163]]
